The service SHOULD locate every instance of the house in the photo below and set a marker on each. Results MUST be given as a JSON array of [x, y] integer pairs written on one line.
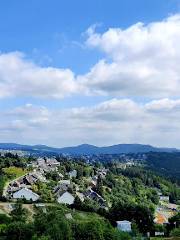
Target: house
[[173, 207], [60, 188], [93, 183], [160, 218], [73, 173], [32, 178], [159, 234], [95, 196], [124, 226], [40, 161], [65, 182], [68, 216], [27, 194], [164, 198], [52, 162], [81, 196], [39, 176], [102, 172], [61, 175], [66, 198]]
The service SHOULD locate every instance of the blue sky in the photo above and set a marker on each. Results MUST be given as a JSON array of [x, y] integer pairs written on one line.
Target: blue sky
[[88, 70], [49, 28]]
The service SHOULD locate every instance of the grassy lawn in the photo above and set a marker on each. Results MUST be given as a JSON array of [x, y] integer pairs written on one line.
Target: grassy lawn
[[14, 172]]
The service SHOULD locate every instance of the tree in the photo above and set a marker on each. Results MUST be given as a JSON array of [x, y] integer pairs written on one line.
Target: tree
[[175, 232], [19, 213], [18, 230], [99, 186]]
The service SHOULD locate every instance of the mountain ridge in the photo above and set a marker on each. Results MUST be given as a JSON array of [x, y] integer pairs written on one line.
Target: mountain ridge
[[88, 148]]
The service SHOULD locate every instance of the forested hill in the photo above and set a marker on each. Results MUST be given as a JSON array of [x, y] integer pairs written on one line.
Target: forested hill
[[166, 163], [88, 149]]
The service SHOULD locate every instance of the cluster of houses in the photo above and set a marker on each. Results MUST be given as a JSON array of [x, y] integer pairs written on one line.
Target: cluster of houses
[[65, 190], [96, 197], [26, 182], [22, 186], [164, 210]]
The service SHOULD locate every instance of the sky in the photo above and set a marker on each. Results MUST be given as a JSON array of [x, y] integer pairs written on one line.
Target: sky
[[94, 71]]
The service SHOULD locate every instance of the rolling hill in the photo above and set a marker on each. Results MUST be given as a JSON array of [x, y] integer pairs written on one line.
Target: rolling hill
[[88, 149]]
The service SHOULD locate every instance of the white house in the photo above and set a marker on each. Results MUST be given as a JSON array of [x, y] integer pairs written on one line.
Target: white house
[[124, 226], [164, 198], [66, 198], [65, 182], [73, 173], [27, 194]]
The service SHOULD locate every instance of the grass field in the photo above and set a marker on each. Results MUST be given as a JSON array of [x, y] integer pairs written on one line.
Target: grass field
[[14, 172]]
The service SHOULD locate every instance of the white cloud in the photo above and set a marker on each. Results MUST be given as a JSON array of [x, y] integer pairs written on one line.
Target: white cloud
[[141, 60], [164, 105], [21, 77], [113, 121], [144, 60]]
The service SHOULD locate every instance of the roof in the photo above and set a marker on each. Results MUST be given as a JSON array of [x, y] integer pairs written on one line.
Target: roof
[[68, 182], [61, 175], [160, 219], [123, 222], [26, 193], [124, 225], [73, 173], [172, 206], [66, 198]]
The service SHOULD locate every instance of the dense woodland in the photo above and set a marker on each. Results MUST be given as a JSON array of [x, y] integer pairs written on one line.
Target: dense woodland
[[167, 164], [53, 224]]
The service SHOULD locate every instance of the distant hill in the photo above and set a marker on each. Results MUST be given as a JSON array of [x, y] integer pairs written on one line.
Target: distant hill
[[165, 162], [88, 149]]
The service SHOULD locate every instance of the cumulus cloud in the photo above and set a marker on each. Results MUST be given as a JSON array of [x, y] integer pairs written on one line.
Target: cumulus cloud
[[21, 77], [109, 122], [141, 60]]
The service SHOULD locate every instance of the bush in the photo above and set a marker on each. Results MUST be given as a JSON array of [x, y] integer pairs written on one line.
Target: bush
[[175, 232]]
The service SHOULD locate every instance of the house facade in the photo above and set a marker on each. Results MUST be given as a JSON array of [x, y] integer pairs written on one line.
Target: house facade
[[124, 226]]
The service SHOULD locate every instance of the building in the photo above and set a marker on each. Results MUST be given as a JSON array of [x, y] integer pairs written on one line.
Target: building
[[66, 198], [27, 194], [160, 218], [95, 196], [73, 173], [173, 207], [124, 226], [80, 196], [164, 198], [65, 182]]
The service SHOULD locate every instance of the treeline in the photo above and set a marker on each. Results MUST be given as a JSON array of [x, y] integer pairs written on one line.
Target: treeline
[[10, 159], [53, 224], [144, 177], [165, 163]]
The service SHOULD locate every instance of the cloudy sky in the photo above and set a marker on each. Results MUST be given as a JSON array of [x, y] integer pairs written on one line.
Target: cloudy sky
[[94, 71]]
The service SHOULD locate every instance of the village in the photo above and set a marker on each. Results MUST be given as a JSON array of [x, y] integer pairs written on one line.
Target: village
[[22, 187], [66, 189]]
